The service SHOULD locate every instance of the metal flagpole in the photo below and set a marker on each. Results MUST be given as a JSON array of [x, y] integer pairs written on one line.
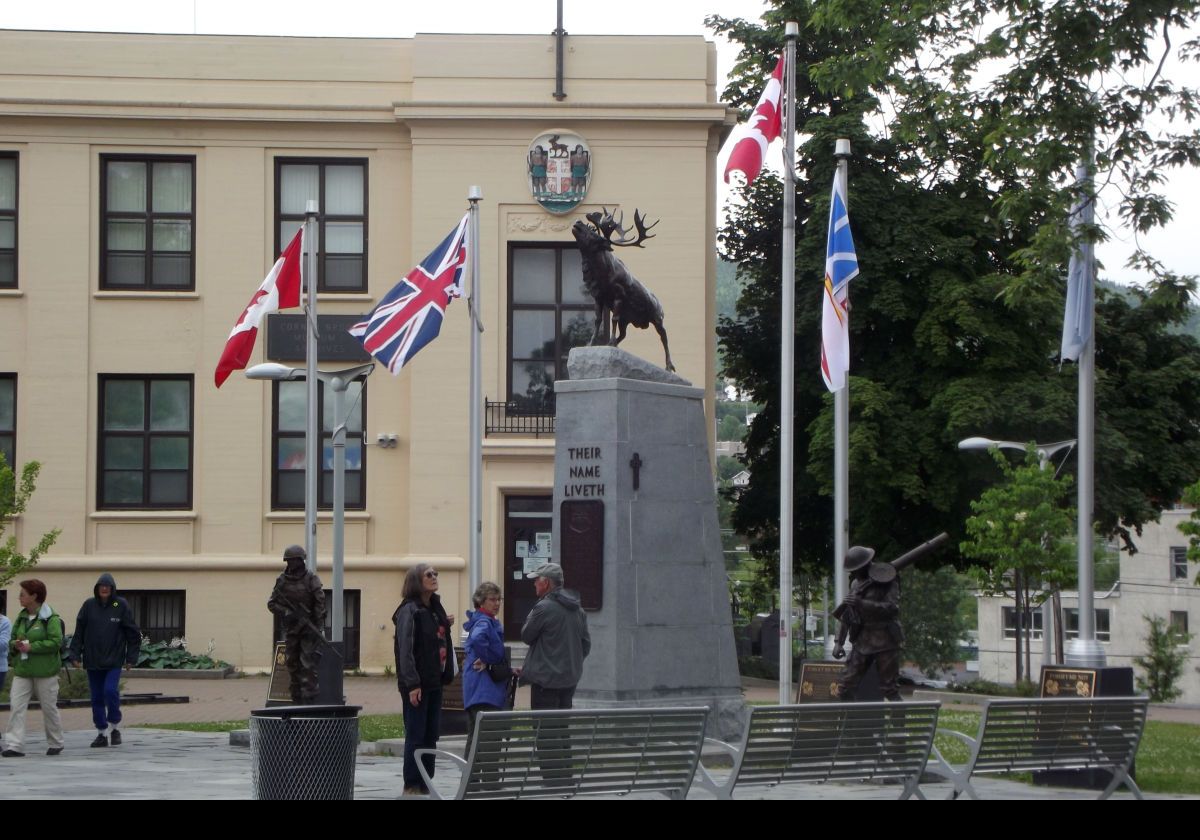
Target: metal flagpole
[[787, 383], [1084, 651], [841, 429], [312, 428], [475, 560]]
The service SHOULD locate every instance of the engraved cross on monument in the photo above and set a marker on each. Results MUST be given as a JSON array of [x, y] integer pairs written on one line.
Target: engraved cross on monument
[[637, 534]]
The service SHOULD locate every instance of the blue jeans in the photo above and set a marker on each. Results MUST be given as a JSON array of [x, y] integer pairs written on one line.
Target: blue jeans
[[106, 696], [421, 725]]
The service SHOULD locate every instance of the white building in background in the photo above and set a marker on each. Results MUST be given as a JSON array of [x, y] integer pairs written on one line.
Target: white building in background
[[1157, 581]]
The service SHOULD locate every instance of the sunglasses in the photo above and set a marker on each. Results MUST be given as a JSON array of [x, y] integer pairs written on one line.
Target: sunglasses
[[431, 574]]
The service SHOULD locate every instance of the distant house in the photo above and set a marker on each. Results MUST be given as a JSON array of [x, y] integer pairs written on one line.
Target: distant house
[[742, 479], [1157, 581]]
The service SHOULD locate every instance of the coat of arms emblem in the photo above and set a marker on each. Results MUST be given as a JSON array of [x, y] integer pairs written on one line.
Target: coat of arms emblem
[[560, 170]]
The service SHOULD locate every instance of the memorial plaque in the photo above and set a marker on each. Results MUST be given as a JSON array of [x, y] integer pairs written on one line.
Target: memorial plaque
[[279, 691], [818, 682], [582, 547], [287, 339], [1068, 682]]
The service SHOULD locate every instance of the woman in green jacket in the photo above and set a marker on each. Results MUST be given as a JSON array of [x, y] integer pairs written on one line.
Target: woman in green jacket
[[35, 659]]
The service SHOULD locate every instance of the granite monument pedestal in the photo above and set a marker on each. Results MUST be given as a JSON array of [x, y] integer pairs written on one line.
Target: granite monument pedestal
[[637, 534]]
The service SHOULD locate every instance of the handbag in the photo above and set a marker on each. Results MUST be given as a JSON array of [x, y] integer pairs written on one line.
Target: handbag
[[501, 671]]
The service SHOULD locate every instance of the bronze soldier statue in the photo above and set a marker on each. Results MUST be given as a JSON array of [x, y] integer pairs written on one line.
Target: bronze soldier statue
[[299, 600], [870, 616]]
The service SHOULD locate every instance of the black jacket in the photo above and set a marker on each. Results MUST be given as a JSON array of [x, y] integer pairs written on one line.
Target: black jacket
[[418, 646], [105, 632]]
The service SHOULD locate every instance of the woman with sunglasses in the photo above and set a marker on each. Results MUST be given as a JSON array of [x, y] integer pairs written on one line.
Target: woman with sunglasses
[[423, 666]]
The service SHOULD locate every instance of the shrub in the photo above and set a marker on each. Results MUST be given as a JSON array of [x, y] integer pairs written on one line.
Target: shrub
[[175, 655]]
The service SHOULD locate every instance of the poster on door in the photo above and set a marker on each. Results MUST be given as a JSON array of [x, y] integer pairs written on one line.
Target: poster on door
[[537, 552]]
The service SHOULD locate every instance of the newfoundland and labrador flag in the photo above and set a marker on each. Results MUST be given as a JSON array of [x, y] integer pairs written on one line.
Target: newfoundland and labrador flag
[[841, 266], [410, 315]]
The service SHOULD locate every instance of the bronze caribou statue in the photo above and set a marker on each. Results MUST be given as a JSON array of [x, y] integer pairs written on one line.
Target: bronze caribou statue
[[617, 293]]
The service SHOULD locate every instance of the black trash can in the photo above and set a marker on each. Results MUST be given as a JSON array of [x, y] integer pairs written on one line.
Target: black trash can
[[303, 752]]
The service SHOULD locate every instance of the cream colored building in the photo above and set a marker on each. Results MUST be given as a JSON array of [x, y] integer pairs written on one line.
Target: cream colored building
[[145, 183], [1158, 581]]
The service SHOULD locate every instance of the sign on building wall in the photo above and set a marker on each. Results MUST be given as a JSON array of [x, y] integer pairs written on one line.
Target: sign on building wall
[[559, 165]]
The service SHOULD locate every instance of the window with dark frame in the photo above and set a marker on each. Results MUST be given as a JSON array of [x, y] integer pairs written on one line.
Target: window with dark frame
[[1071, 624], [549, 312], [1179, 626], [1179, 562], [287, 474], [145, 443], [8, 418], [147, 222], [339, 186], [1032, 623], [160, 613], [8, 220]]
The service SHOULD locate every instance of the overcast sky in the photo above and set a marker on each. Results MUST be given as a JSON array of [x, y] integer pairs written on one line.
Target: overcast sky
[[1174, 245]]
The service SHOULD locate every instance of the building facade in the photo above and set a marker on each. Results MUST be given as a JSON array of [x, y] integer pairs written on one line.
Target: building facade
[[147, 183], [1157, 581]]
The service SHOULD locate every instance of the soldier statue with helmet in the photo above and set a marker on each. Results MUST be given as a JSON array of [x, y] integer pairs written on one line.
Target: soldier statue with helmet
[[870, 615], [299, 601]]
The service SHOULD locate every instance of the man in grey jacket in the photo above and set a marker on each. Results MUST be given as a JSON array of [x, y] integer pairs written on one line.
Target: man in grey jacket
[[557, 634]]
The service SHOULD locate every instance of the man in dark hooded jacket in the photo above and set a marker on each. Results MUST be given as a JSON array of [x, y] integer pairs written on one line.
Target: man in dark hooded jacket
[[299, 601], [557, 634], [106, 638]]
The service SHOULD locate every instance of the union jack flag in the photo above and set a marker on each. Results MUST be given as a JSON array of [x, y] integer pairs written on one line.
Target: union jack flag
[[410, 315]]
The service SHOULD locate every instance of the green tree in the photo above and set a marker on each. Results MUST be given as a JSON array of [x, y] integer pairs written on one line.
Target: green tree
[[1166, 655], [1017, 535], [932, 616], [957, 311], [14, 496]]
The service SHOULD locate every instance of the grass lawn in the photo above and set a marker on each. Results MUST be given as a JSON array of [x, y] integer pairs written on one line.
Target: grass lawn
[[1168, 759], [370, 727]]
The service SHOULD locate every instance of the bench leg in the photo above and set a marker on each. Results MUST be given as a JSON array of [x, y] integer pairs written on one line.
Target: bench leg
[[912, 788], [1121, 777]]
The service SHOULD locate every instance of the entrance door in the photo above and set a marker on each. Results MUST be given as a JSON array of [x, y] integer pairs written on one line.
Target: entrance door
[[527, 526]]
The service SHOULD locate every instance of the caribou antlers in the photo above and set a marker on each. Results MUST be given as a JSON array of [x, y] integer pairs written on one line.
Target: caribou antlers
[[607, 225]]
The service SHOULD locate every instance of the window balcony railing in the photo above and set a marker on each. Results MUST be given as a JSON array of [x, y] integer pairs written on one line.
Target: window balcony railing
[[519, 418]]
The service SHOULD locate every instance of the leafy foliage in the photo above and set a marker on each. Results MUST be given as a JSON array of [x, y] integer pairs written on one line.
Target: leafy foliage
[[1019, 526], [932, 619], [1191, 498], [965, 118], [1166, 655], [174, 654], [14, 497]]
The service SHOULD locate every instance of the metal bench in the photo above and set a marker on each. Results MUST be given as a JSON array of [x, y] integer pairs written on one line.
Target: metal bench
[[1051, 733], [578, 752], [830, 742]]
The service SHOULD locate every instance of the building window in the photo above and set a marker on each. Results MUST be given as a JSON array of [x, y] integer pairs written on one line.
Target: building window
[[145, 442], [549, 312], [339, 187], [8, 418], [148, 221], [1179, 626], [1179, 563], [287, 484], [1032, 623], [1071, 624], [8, 219], [159, 613]]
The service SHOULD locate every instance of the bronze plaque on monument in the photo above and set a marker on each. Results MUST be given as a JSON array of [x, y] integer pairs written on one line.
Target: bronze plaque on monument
[[582, 550], [818, 682], [1068, 682], [279, 691]]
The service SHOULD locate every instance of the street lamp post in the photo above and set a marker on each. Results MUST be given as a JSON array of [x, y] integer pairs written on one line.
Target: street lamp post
[[337, 381], [1045, 451]]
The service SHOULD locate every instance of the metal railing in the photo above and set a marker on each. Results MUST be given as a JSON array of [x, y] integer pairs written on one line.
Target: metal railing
[[517, 418]]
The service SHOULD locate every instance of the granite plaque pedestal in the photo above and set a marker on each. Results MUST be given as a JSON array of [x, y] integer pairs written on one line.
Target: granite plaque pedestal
[[663, 633]]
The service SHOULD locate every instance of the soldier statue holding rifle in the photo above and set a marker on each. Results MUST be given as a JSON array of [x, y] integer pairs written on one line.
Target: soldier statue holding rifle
[[299, 601]]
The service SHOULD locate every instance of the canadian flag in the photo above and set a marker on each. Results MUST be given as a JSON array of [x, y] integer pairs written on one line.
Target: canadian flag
[[281, 290], [751, 139]]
